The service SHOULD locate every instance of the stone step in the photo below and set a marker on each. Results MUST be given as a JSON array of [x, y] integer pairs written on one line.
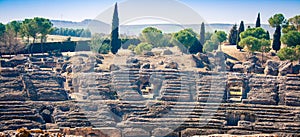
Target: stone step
[[28, 117]]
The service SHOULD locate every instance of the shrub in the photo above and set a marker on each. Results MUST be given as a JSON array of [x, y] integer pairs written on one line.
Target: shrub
[[131, 47], [139, 49], [104, 48], [288, 53]]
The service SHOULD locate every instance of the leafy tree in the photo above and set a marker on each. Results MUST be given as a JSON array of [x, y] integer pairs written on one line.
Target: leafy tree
[[233, 35], [259, 33], [152, 36], [9, 43], [264, 47], [212, 44], [139, 49], [288, 53], [252, 44], [187, 40], [15, 26], [277, 21], [255, 39], [202, 34], [29, 28], [115, 41], [240, 30], [291, 39], [44, 27], [208, 36], [295, 21], [99, 44], [257, 25], [221, 36]]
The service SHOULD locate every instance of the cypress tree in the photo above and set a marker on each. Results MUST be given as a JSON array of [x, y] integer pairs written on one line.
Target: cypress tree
[[268, 35], [276, 45], [202, 34], [115, 41], [241, 29], [258, 21], [233, 35]]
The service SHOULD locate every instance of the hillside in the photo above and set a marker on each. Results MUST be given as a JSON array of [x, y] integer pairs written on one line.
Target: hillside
[[100, 27]]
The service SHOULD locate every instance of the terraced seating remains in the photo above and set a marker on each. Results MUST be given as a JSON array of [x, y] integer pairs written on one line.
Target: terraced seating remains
[[45, 86], [149, 102], [263, 90], [16, 114], [289, 91], [11, 85], [211, 87]]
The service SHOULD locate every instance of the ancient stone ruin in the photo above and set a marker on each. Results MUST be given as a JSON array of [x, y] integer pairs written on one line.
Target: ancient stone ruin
[[53, 95]]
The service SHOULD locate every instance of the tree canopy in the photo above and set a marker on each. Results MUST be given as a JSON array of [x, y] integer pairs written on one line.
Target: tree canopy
[[212, 44], [221, 36], [289, 53], [277, 20], [253, 44], [291, 39], [15, 26], [187, 38], [99, 44], [258, 33], [233, 35], [139, 49], [152, 36], [295, 21]]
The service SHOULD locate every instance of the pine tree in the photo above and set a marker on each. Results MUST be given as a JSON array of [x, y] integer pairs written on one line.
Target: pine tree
[[276, 45], [233, 35], [241, 29], [202, 34], [258, 21], [115, 41]]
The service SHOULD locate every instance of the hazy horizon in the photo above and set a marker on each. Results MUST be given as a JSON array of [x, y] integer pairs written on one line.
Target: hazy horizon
[[213, 11]]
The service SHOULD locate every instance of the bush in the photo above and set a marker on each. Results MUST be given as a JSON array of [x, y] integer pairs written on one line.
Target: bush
[[131, 41], [212, 44], [131, 47], [104, 48], [100, 44], [291, 38], [139, 49], [288, 53]]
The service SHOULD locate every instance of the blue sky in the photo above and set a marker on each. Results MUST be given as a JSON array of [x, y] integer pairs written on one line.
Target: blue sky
[[213, 11]]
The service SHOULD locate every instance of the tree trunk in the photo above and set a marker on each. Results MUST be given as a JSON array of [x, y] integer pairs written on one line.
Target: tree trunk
[[262, 58]]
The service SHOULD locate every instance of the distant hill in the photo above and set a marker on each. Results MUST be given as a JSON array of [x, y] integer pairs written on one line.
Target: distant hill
[[100, 27]]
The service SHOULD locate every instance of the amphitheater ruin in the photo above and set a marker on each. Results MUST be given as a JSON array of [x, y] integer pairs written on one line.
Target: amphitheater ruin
[[54, 95]]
